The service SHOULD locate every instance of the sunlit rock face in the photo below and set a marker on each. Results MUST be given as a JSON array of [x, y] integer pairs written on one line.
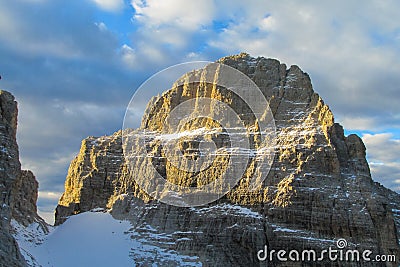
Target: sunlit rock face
[[319, 187]]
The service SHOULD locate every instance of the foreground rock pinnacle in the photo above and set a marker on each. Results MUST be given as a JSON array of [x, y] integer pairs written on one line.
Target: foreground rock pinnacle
[[18, 188]]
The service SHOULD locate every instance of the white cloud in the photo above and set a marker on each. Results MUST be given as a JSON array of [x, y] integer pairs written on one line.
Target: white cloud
[[102, 26], [350, 51], [49, 136], [268, 23], [110, 5], [383, 147], [128, 56], [358, 123], [48, 216], [383, 155], [169, 29], [186, 15], [142, 56], [50, 195], [45, 33]]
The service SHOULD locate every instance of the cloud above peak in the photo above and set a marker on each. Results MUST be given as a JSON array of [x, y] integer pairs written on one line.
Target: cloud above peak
[[110, 5], [183, 14]]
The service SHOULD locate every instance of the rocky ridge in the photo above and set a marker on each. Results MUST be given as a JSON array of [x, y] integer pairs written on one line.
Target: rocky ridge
[[319, 188], [19, 188]]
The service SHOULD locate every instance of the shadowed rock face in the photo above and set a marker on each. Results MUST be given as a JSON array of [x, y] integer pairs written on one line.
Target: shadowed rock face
[[25, 194], [18, 188], [319, 188], [9, 173]]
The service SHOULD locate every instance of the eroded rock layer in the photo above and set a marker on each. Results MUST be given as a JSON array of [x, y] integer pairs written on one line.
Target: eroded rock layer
[[19, 188], [319, 188], [9, 173]]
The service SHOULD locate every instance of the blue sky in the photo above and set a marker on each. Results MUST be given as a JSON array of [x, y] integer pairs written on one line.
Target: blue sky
[[74, 65]]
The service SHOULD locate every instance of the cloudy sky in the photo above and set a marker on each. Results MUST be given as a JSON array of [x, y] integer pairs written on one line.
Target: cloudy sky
[[74, 65]]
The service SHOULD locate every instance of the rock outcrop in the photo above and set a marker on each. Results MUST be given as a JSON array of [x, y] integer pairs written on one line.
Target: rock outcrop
[[18, 188], [9, 173], [319, 188], [25, 195]]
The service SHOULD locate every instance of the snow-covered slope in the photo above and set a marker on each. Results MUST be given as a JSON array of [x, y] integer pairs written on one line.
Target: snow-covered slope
[[88, 239], [92, 238]]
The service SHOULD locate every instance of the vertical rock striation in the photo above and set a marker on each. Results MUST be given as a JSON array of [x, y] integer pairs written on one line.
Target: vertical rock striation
[[9, 173], [319, 188], [25, 195], [18, 188]]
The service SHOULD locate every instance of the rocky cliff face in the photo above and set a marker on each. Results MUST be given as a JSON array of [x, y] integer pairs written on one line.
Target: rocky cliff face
[[18, 188], [25, 194], [319, 188]]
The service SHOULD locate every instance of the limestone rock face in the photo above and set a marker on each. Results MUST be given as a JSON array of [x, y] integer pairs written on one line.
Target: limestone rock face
[[93, 176], [10, 168], [25, 194], [319, 188], [19, 189]]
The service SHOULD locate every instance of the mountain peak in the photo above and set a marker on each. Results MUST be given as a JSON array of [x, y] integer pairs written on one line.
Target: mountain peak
[[318, 189]]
